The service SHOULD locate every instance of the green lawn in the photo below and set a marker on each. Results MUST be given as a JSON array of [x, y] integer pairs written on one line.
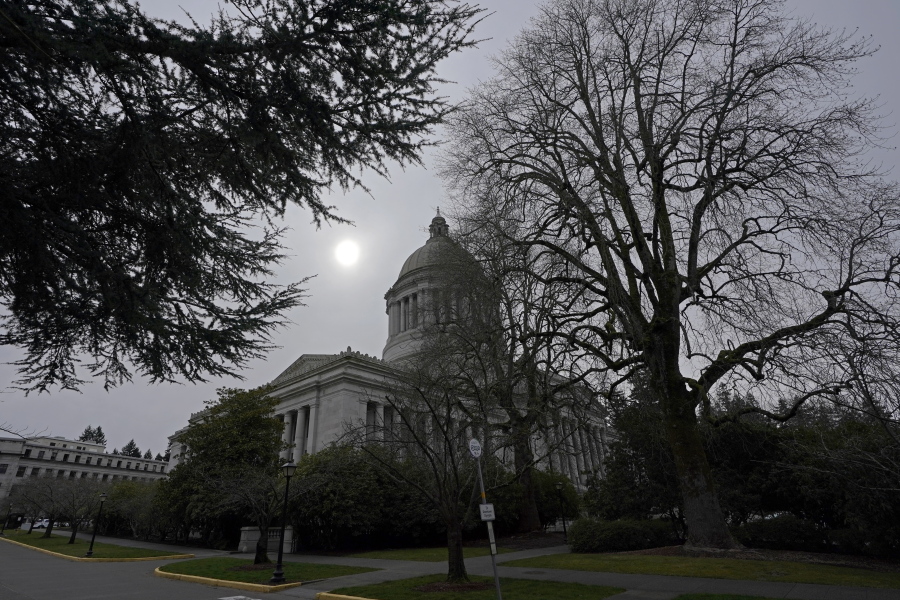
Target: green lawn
[[520, 589], [720, 568], [227, 568], [426, 554], [59, 544]]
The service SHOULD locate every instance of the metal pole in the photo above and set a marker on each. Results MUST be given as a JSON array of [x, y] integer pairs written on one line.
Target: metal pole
[[6, 520], [490, 528], [278, 575], [90, 551]]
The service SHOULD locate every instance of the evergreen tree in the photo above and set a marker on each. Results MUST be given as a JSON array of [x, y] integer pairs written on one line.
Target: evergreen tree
[[99, 436], [87, 435], [158, 456], [140, 158], [148, 454], [131, 449]]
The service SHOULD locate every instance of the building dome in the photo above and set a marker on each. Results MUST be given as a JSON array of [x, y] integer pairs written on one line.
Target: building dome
[[414, 291]]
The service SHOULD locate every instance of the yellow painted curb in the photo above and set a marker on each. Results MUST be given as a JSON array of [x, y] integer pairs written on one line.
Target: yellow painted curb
[[330, 596], [238, 585], [82, 559]]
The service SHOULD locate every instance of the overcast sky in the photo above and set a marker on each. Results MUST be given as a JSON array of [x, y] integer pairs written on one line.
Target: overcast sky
[[346, 304]]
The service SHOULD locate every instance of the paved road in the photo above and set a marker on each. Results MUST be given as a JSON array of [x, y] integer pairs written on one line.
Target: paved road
[[29, 575]]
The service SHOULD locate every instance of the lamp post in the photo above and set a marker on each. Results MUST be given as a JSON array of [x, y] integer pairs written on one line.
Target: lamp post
[[90, 551], [288, 469], [6, 520], [559, 488]]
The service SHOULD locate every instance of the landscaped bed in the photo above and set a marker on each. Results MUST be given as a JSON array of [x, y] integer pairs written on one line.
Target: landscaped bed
[[426, 554], [715, 567], [243, 570], [60, 544], [480, 588]]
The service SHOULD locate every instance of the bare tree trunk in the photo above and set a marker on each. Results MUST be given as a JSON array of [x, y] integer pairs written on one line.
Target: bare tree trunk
[[706, 527], [50, 525], [529, 518], [262, 546], [456, 564], [74, 531]]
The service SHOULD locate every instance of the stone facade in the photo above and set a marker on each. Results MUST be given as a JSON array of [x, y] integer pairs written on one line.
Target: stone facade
[[320, 394], [61, 457]]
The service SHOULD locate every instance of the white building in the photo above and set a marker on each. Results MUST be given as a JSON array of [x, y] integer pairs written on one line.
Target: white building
[[61, 457], [321, 393]]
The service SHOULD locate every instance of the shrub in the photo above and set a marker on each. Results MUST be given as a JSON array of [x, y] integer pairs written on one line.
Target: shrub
[[592, 535], [784, 532]]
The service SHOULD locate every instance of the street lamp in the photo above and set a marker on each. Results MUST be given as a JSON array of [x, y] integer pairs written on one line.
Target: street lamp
[[559, 488], [90, 551], [6, 520], [288, 469]]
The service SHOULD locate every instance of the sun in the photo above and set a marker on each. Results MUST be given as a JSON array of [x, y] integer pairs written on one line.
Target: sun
[[347, 252]]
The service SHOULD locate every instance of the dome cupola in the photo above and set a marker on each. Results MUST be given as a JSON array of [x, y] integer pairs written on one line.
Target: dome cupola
[[414, 291]]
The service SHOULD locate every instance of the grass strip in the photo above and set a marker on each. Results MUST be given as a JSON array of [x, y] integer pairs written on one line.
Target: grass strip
[[520, 589], [60, 544], [719, 568], [244, 571], [426, 554]]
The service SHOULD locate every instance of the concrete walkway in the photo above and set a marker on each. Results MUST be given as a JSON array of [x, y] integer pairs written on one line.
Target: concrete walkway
[[29, 575]]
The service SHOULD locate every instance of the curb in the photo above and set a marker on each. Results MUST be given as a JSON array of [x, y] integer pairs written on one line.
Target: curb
[[330, 596], [238, 585], [82, 559]]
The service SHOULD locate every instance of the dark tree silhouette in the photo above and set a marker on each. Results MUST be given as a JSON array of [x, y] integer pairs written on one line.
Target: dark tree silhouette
[[699, 168], [142, 163]]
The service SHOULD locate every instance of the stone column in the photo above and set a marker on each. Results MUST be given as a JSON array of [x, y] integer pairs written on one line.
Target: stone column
[[379, 421], [313, 427], [284, 436]]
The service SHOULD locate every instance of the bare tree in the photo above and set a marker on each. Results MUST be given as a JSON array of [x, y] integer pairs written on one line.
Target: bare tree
[[422, 442], [521, 381], [699, 168]]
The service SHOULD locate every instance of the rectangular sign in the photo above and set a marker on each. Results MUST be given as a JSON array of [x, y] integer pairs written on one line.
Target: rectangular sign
[[487, 512]]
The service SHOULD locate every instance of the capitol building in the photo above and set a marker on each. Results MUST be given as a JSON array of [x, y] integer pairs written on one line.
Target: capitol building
[[321, 395]]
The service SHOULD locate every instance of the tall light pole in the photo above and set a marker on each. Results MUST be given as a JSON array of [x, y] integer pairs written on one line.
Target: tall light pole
[[90, 551], [562, 513], [6, 520], [288, 469]]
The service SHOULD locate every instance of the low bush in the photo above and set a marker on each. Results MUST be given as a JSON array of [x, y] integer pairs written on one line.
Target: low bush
[[593, 535], [784, 532]]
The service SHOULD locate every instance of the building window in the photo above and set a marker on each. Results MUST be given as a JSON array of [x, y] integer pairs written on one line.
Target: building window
[[78, 458], [118, 463], [20, 472], [128, 466], [35, 471], [65, 458], [87, 460], [27, 453], [54, 454], [84, 474], [41, 454], [52, 443], [60, 473], [145, 466], [105, 477], [108, 462], [72, 474], [65, 446], [3, 468]]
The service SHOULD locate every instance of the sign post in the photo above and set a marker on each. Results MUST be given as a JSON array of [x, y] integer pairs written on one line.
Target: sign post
[[487, 512]]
